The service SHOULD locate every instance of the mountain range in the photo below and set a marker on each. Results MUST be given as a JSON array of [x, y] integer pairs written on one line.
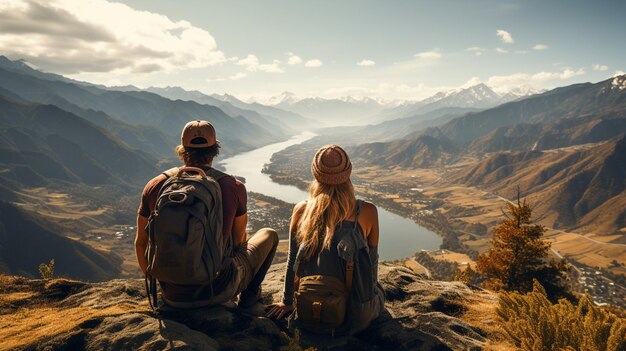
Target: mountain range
[[564, 147], [359, 111]]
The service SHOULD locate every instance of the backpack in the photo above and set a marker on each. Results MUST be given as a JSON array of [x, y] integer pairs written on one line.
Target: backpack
[[186, 244], [321, 301]]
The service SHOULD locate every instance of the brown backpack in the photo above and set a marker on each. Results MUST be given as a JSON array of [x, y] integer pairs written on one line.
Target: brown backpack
[[321, 301]]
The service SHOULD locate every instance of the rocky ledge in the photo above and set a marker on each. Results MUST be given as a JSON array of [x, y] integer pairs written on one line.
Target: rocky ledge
[[67, 315]]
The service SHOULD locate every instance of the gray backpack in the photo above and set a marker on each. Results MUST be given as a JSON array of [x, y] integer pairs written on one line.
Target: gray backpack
[[186, 243]]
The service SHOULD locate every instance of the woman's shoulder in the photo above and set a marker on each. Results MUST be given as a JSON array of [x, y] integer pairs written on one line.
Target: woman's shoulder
[[299, 207], [368, 208]]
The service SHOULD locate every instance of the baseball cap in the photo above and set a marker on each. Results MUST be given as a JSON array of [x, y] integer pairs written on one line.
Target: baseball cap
[[198, 134]]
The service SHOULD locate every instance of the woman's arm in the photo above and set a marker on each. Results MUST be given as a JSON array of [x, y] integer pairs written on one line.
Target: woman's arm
[[368, 219]]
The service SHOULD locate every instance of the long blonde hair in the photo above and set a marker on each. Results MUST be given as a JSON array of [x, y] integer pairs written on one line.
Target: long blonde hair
[[326, 207]]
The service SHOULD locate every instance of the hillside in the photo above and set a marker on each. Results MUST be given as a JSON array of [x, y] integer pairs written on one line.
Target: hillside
[[137, 108], [577, 188], [55, 144], [27, 241], [423, 151], [421, 314]]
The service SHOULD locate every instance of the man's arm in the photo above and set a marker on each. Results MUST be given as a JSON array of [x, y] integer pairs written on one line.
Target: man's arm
[[141, 242], [239, 230]]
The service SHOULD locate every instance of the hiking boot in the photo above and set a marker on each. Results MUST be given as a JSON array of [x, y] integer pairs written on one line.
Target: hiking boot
[[248, 299]]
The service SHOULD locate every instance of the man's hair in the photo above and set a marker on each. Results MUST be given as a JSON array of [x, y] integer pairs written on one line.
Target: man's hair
[[198, 156]]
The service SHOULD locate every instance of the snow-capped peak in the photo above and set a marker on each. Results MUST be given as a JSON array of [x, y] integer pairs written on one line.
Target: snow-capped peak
[[619, 83], [285, 97]]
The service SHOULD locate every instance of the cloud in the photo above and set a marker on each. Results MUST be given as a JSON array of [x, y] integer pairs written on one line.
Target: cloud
[[478, 51], [501, 50], [74, 36], [365, 62], [505, 83], [540, 47], [252, 64], [215, 79], [597, 67], [313, 63], [239, 75], [618, 73], [428, 55], [293, 59], [504, 36]]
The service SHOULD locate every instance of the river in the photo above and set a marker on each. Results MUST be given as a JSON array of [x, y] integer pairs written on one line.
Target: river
[[399, 237]]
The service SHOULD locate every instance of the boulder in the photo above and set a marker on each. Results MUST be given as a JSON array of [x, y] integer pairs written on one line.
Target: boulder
[[421, 314]]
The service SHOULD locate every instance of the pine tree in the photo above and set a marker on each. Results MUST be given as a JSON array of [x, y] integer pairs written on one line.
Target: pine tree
[[518, 254]]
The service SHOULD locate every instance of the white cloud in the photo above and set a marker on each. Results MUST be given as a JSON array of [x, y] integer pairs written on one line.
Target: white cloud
[[618, 73], [252, 64], [293, 59], [540, 47], [505, 83], [504, 36], [598, 67], [471, 82], [428, 55], [478, 51], [239, 75], [215, 79], [365, 62], [501, 50], [74, 36], [313, 63]]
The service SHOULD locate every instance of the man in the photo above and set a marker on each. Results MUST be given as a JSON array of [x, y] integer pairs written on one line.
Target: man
[[246, 269]]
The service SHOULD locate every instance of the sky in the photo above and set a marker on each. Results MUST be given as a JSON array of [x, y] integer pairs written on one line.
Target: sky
[[391, 50]]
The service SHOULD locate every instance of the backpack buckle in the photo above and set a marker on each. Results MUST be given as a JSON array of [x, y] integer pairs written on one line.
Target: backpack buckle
[[316, 310]]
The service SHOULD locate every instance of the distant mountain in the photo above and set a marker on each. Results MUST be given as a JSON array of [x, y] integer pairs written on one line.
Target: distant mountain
[[287, 117], [50, 143], [331, 112], [272, 117], [566, 102], [27, 241], [479, 96], [138, 108], [580, 113], [576, 188]]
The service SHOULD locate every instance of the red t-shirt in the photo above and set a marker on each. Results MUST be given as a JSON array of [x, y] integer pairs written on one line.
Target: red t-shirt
[[234, 204]]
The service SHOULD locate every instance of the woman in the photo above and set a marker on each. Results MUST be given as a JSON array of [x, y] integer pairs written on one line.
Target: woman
[[330, 224]]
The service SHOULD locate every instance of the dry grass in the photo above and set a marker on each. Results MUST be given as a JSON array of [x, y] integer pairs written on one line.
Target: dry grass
[[481, 313], [27, 316], [29, 325], [452, 256]]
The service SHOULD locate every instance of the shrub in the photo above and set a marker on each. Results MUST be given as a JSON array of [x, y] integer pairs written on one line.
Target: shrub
[[518, 254], [532, 322], [47, 270], [467, 275]]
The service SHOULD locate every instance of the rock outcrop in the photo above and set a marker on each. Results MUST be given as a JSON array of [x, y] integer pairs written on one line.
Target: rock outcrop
[[66, 315]]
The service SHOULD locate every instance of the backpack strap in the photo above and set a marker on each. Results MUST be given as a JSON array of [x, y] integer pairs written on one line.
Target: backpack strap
[[211, 172], [350, 264], [171, 172]]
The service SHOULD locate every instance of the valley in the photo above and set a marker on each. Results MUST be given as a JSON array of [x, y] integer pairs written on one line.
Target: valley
[[464, 215]]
